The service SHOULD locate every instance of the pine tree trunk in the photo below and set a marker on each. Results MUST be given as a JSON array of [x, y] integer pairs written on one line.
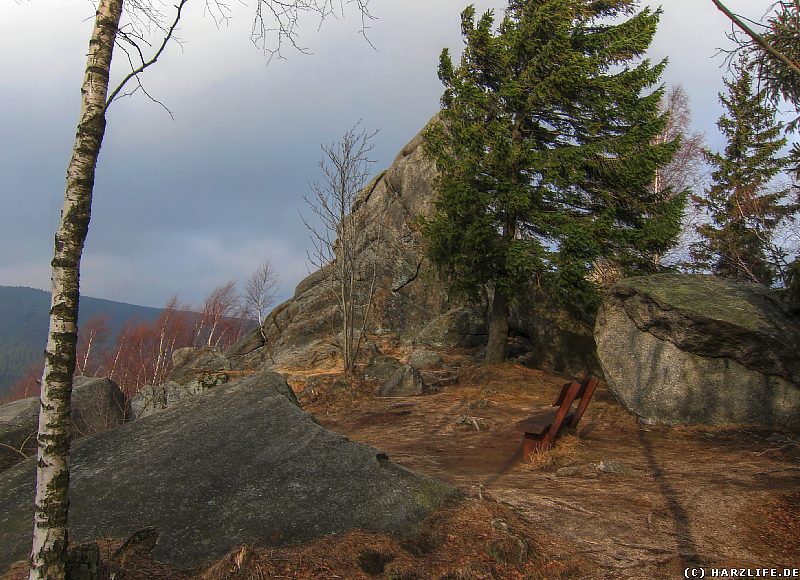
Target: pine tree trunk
[[50, 538], [498, 329]]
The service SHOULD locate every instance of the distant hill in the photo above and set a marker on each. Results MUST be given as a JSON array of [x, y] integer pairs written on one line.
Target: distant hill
[[23, 326]]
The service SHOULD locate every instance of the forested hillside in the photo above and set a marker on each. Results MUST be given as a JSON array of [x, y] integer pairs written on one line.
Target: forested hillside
[[23, 326]]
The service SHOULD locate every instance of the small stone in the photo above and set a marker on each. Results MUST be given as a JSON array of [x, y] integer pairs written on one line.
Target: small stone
[[607, 466], [569, 471]]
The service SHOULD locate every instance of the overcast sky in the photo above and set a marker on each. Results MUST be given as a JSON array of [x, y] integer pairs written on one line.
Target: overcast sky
[[183, 206]]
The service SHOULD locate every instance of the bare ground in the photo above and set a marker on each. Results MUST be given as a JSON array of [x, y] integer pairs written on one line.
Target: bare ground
[[636, 501], [615, 500]]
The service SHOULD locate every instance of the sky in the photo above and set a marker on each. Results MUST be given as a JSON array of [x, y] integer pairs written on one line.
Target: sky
[[183, 206]]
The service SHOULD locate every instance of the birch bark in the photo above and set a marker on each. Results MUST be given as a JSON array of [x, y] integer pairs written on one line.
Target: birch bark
[[50, 538]]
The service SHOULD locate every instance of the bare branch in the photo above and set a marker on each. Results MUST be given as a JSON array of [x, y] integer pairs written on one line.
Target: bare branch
[[280, 20], [137, 71]]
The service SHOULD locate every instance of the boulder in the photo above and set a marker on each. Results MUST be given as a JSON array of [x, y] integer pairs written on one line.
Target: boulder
[[154, 398], [240, 464], [381, 367], [181, 356], [97, 405], [462, 326], [404, 382], [191, 364], [551, 337], [700, 349], [424, 359]]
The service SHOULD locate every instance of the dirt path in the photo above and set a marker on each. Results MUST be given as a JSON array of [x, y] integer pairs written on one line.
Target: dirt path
[[636, 501]]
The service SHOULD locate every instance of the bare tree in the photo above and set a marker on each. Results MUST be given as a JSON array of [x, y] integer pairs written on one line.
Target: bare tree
[[259, 295], [687, 172], [219, 316], [338, 238], [50, 538], [94, 332]]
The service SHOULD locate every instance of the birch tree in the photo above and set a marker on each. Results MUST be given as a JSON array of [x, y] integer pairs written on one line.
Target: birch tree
[[339, 240], [687, 171], [276, 22], [259, 295]]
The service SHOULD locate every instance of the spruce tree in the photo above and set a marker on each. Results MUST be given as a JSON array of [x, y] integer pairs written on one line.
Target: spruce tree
[[547, 151], [743, 206]]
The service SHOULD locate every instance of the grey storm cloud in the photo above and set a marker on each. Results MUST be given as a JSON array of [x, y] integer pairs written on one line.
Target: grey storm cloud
[[184, 205]]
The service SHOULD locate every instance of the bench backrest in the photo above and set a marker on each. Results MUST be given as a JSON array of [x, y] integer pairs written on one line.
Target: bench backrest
[[583, 392]]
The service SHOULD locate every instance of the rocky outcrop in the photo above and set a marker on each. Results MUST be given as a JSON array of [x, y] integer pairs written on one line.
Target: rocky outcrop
[[300, 332], [152, 399], [97, 405], [700, 349], [545, 335], [463, 326], [381, 367], [194, 371], [240, 464]]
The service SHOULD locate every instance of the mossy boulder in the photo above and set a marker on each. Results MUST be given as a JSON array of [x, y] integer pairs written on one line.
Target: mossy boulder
[[700, 349]]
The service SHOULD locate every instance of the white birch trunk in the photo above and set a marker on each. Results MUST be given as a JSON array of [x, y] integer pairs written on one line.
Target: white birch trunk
[[50, 538]]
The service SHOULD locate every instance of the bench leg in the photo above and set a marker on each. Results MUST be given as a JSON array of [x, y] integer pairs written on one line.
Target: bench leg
[[534, 443]]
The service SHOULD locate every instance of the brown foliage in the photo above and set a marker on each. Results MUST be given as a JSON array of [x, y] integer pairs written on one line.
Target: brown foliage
[[28, 385], [142, 352]]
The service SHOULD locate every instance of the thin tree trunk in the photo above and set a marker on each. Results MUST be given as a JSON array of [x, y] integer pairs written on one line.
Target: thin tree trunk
[[50, 538], [498, 328]]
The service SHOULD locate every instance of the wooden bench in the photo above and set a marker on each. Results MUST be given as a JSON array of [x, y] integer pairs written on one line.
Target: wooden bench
[[541, 429]]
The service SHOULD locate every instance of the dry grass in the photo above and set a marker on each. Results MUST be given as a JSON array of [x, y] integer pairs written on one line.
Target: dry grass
[[507, 382], [470, 539], [611, 415], [565, 452], [780, 518]]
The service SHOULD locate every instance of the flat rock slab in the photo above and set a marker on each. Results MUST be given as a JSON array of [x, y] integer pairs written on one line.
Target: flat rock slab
[[240, 464]]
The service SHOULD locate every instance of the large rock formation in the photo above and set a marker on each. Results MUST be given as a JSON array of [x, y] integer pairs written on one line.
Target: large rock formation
[[97, 405], [300, 332], [410, 303], [553, 338], [699, 349], [237, 465]]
